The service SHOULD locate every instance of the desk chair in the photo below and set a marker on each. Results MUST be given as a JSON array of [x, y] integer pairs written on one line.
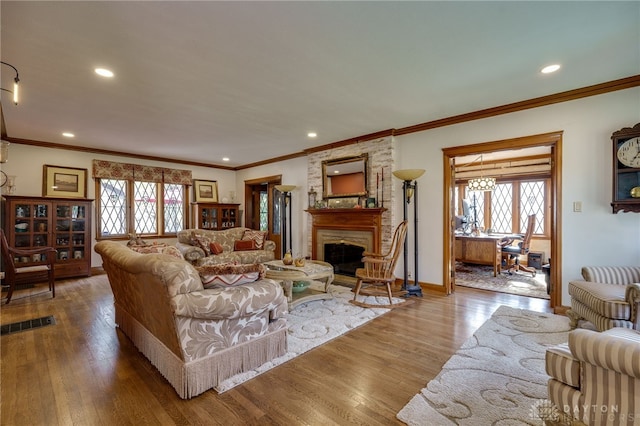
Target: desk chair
[[35, 273], [511, 253]]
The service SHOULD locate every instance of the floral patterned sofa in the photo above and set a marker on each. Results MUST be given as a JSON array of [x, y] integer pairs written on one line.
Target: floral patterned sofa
[[195, 336], [234, 246]]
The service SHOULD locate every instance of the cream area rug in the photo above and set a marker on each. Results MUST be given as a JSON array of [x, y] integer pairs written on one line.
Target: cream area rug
[[497, 377], [314, 323], [519, 283]]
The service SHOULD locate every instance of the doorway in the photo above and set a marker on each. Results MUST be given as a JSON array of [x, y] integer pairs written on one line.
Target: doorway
[[261, 201], [554, 143]]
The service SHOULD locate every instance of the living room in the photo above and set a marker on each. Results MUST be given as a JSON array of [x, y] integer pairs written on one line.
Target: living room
[[586, 123]]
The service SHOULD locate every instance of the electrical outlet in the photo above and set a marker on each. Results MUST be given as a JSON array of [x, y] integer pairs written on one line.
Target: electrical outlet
[[577, 206]]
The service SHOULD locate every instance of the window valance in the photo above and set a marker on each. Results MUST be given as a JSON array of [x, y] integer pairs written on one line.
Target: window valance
[[103, 169]]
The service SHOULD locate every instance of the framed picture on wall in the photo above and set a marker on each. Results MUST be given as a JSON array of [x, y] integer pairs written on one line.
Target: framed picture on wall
[[205, 191], [64, 182]]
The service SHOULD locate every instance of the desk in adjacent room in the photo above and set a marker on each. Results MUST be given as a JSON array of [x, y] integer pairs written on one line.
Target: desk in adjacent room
[[482, 250]]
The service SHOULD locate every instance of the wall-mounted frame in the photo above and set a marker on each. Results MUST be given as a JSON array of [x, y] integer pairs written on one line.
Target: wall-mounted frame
[[64, 182], [343, 203], [345, 177], [205, 191]]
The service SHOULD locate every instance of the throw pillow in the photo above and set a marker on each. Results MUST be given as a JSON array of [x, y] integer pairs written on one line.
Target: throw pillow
[[201, 241], [230, 274], [134, 240], [241, 245], [216, 248], [257, 236]]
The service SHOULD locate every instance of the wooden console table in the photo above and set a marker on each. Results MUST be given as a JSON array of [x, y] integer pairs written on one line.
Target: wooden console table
[[481, 250]]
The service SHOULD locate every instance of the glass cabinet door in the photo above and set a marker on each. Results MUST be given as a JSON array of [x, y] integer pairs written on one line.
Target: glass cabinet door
[[70, 233], [31, 223]]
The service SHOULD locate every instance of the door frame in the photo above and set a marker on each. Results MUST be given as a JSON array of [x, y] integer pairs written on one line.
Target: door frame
[[249, 207], [552, 140]]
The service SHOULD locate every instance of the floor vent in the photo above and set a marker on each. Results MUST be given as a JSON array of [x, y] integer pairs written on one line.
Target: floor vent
[[18, 287], [26, 325]]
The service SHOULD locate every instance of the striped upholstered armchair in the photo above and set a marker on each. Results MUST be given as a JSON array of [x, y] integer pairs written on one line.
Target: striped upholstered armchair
[[595, 378], [609, 296]]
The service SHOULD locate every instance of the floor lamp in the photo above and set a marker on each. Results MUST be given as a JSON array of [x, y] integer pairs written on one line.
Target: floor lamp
[[286, 225], [410, 190]]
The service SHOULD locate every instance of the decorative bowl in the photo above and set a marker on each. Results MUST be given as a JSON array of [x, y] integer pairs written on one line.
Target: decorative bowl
[[300, 286]]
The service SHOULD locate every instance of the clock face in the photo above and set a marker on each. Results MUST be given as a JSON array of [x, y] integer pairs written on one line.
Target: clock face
[[629, 153]]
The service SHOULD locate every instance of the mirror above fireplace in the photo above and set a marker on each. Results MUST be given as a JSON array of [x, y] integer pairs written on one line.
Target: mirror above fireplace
[[345, 177]]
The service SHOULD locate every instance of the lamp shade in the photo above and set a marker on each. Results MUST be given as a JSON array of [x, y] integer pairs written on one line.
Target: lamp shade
[[408, 174], [285, 188], [482, 184]]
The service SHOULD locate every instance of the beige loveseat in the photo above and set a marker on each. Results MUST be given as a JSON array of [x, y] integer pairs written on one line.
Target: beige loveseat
[[595, 378], [609, 296], [195, 337], [194, 253]]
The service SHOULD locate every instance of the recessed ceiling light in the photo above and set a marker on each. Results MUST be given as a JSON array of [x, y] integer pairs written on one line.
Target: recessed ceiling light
[[104, 72], [550, 68], [225, 158], [68, 135], [312, 134]]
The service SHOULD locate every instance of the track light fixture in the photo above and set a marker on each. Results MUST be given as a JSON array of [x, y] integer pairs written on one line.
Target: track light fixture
[[16, 80]]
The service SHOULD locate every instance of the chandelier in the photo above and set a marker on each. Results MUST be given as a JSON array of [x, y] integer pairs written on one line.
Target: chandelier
[[481, 183]]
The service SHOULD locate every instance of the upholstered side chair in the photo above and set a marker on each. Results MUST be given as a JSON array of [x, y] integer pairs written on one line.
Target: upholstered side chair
[[609, 296], [595, 378]]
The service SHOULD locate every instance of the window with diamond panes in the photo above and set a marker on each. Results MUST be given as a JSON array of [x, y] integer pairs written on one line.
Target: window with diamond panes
[[532, 201], [145, 207], [113, 207], [264, 211], [501, 208], [173, 211]]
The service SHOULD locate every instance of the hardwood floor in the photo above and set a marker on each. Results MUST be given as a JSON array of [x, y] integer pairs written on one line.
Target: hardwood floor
[[82, 371]]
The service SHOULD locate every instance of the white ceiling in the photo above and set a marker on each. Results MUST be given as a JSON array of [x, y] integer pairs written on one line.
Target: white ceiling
[[197, 81]]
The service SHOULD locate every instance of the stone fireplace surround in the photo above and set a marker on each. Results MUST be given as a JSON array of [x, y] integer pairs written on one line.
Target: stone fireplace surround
[[380, 154]]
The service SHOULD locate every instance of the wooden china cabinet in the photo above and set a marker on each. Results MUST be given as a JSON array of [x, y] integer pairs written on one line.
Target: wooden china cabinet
[[215, 216], [61, 223]]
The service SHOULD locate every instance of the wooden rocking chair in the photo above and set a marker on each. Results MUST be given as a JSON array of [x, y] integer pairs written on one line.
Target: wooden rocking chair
[[378, 269]]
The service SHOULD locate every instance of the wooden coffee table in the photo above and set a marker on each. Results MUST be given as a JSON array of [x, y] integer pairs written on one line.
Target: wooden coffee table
[[312, 271]]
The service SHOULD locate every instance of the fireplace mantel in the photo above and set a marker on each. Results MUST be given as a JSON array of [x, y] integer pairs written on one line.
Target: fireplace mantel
[[365, 220]]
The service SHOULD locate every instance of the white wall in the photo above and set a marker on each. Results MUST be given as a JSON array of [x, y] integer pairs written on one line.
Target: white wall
[[593, 237], [25, 162], [294, 172]]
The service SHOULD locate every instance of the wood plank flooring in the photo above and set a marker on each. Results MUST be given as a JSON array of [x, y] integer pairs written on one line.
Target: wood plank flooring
[[82, 371]]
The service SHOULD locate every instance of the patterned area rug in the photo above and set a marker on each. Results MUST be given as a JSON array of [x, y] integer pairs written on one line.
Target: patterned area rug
[[497, 377], [520, 283], [314, 323]]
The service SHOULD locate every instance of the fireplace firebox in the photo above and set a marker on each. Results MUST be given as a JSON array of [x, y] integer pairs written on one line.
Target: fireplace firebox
[[344, 257]]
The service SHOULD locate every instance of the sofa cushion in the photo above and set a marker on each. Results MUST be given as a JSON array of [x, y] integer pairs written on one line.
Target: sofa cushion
[[157, 248], [201, 241], [257, 236], [230, 274], [562, 366], [240, 245], [216, 248], [607, 300]]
